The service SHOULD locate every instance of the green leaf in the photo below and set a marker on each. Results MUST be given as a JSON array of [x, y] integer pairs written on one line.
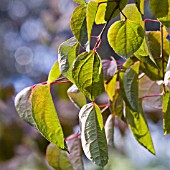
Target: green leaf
[[144, 54], [90, 17], [24, 107], [153, 42], [166, 111], [140, 5], [80, 1], [159, 10], [108, 9], [75, 155], [130, 86], [67, 53], [110, 87], [76, 97], [88, 74], [131, 12], [167, 76], [117, 106], [109, 68], [45, 116], [54, 73], [153, 38], [78, 24], [125, 37], [57, 158], [139, 127], [93, 134], [109, 128]]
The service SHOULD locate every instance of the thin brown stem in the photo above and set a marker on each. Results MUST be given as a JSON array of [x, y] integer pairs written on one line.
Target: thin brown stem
[[151, 95], [73, 137], [161, 54]]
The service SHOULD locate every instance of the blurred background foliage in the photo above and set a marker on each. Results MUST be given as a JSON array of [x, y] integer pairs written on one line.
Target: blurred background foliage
[[30, 33]]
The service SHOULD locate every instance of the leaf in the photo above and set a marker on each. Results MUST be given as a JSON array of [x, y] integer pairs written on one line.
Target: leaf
[[67, 53], [139, 127], [125, 37], [57, 158], [80, 1], [109, 68], [153, 42], [167, 76], [93, 134], [110, 87], [54, 73], [117, 106], [45, 116], [88, 74], [78, 24], [130, 86], [109, 128], [166, 113], [153, 38], [108, 9], [75, 156], [161, 11], [140, 5], [144, 54], [76, 97], [24, 107], [131, 12], [90, 17]]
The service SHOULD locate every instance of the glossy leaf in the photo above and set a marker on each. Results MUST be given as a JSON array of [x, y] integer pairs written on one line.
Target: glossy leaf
[[125, 37], [117, 106], [57, 158], [144, 55], [77, 97], [131, 12], [109, 128], [139, 127], [80, 1], [88, 74], [24, 107], [140, 5], [45, 116], [54, 73], [110, 87], [67, 53], [90, 17], [75, 155], [161, 11], [153, 42], [109, 68], [108, 9], [93, 134], [130, 86], [167, 76], [166, 111], [78, 24]]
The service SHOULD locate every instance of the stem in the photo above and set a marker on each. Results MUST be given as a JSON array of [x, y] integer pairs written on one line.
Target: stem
[[150, 20], [73, 137], [151, 95], [96, 46], [104, 105], [161, 55], [105, 108], [122, 13]]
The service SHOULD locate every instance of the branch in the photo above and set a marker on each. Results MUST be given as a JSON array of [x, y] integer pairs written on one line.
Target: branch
[[161, 55], [151, 95], [73, 136]]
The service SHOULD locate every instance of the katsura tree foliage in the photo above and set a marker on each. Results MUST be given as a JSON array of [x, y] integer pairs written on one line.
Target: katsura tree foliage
[[146, 54]]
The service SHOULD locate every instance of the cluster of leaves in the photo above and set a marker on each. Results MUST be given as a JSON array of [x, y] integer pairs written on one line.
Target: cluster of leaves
[[144, 52]]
